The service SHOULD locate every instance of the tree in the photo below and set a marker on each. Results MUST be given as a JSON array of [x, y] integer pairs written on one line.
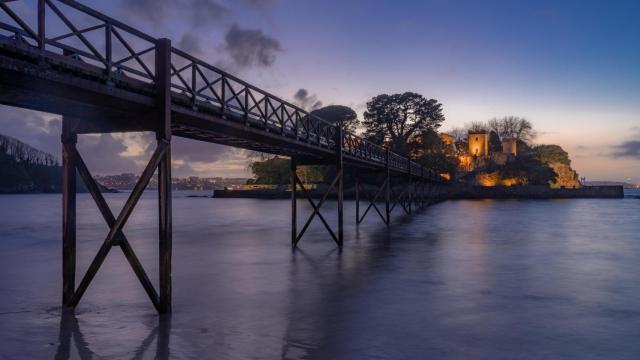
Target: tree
[[495, 145], [337, 114], [551, 154], [277, 171], [394, 120], [427, 142], [476, 127], [458, 133], [274, 171], [528, 170], [514, 127]]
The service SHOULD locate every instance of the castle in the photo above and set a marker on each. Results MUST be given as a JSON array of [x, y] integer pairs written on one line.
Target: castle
[[478, 152]]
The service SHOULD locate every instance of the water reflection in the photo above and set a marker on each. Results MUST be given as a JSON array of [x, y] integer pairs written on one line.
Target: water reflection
[[69, 331], [541, 279]]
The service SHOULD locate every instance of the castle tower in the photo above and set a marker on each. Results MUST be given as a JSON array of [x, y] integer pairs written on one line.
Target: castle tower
[[479, 144], [509, 146]]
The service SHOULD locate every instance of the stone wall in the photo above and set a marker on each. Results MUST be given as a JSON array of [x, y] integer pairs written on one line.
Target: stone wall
[[463, 191]]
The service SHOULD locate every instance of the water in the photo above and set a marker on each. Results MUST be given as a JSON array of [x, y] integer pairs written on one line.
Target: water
[[553, 279]]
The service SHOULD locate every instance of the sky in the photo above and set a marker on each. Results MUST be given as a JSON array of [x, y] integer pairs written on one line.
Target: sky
[[570, 67]]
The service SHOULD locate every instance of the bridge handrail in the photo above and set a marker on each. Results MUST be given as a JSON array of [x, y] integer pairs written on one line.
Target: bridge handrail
[[288, 118]]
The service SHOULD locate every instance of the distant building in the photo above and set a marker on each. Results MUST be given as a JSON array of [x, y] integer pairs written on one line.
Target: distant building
[[478, 153], [478, 144]]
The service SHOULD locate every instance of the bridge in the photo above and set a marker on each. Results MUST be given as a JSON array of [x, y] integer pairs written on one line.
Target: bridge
[[103, 76]]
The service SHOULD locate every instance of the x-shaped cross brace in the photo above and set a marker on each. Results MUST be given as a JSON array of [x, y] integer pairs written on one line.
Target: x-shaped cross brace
[[372, 202], [115, 236], [316, 208], [398, 200]]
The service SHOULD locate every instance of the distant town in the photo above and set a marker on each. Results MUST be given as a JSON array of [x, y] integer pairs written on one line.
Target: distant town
[[127, 181]]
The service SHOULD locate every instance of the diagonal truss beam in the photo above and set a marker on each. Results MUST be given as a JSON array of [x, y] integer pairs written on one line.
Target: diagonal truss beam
[[115, 231], [120, 239], [372, 202], [316, 208], [399, 200]]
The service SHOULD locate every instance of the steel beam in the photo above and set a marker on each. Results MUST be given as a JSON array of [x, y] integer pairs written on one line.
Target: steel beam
[[122, 241], [372, 203], [410, 187], [69, 140], [294, 200], [163, 134], [124, 215], [340, 172], [387, 195]]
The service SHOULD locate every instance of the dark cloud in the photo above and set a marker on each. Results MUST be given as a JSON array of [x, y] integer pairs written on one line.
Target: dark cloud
[[205, 12], [190, 44], [200, 12], [306, 101], [108, 154], [102, 154], [34, 128], [628, 149], [153, 10], [259, 3], [198, 151], [250, 47]]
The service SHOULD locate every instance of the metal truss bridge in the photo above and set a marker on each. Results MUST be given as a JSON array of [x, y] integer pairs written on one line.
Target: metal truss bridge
[[102, 76]]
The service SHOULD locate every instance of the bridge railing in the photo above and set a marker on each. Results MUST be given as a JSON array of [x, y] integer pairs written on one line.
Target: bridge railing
[[363, 149], [71, 29], [205, 84]]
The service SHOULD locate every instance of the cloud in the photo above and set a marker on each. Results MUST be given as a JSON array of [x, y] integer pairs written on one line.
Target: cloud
[[250, 47], [37, 129], [205, 12], [306, 101], [152, 10], [628, 149], [108, 154], [189, 150], [191, 44], [259, 3], [200, 12]]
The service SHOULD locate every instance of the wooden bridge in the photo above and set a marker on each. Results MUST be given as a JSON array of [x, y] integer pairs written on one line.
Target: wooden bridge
[[102, 76]]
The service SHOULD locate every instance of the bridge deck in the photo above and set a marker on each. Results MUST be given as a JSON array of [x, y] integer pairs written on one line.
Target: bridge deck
[[104, 76], [113, 91]]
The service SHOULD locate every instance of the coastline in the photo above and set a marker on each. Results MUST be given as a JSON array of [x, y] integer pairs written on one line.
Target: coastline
[[456, 192]]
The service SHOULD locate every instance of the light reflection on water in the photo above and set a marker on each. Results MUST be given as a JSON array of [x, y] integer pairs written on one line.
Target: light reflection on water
[[467, 279]]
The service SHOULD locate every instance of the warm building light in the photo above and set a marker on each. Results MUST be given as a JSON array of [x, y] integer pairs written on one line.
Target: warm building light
[[478, 144]]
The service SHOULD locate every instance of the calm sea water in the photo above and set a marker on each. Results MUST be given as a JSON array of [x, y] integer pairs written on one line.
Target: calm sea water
[[556, 279]]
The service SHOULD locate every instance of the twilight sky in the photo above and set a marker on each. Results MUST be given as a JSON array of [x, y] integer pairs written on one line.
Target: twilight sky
[[571, 67]]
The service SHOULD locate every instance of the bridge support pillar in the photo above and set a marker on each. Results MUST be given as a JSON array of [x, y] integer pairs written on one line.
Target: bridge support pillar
[[294, 200], [163, 134], [160, 161], [387, 195], [340, 175], [337, 183], [69, 140], [410, 187], [372, 200], [357, 190]]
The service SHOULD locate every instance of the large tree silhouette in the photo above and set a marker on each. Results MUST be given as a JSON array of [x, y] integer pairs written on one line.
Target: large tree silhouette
[[395, 120], [339, 114]]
